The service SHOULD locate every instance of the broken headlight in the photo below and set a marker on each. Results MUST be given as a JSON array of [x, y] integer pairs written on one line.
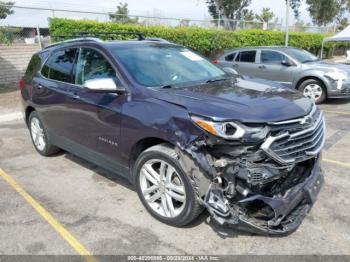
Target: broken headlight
[[232, 130]]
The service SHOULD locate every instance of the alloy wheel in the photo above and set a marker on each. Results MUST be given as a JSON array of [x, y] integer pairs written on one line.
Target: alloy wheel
[[37, 133], [162, 188]]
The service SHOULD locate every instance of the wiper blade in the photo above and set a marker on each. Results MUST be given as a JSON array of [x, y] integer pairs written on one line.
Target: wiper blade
[[216, 80]]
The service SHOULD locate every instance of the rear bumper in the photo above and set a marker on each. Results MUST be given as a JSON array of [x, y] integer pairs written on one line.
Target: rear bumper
[[290, 209]]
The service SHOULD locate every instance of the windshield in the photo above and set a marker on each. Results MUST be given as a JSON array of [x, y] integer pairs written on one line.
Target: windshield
[[165, 65], [300, 55]]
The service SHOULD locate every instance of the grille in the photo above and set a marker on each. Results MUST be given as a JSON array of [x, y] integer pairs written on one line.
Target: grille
[[298, 140]]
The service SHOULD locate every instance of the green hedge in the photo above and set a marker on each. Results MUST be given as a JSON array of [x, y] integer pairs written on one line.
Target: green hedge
[[206, 41]]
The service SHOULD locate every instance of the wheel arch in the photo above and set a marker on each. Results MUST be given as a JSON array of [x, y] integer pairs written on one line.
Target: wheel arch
[[141, 146], [28, 111], [303, 79]]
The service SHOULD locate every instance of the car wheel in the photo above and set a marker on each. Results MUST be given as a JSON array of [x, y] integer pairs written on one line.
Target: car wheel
[[314, 90], [164, 188], [39, 136]]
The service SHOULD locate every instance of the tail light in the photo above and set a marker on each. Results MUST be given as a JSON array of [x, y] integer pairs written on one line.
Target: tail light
[[20, 84], [216, 61]]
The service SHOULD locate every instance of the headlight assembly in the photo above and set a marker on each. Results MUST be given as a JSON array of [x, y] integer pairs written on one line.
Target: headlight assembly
[[231, 130]]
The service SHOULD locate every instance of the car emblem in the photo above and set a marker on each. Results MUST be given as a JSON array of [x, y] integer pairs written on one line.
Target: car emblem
[[306, 120]]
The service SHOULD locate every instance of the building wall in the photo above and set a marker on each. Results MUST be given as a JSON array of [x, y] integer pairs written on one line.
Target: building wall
[[14, 60]]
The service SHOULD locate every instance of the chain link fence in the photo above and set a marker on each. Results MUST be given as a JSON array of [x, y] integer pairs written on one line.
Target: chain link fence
[[30, 24]]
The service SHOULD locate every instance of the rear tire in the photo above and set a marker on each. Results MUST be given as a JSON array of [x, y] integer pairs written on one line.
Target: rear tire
[[164, 188], [40, 137], [313, 89]]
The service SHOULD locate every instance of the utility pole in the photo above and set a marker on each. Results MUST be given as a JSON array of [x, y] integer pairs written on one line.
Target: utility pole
[[287, 23]]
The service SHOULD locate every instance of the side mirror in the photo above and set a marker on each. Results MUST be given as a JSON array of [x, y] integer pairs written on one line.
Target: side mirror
[[286, 63], [103, 85], [230, 71]]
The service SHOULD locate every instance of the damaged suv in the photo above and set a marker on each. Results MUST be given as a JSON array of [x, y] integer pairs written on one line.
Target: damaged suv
[[189, 135]]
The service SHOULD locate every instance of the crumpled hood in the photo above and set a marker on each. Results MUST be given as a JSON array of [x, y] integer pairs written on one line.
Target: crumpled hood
[[326, 66], [249, 100]]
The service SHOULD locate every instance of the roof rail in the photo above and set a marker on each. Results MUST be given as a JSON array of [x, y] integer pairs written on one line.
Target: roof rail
[[88, 36], [96, 35], [156, 39], [138, 34], [74, 40]]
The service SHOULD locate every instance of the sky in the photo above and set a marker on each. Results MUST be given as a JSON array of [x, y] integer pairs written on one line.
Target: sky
[[192, 9]]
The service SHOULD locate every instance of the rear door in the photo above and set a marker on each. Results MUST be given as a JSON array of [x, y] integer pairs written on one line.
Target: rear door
[[245, 62], [51, 90], [227, 60], [272, 67]]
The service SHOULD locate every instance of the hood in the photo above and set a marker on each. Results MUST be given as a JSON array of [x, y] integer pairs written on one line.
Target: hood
[[248, 100], [326, 66]]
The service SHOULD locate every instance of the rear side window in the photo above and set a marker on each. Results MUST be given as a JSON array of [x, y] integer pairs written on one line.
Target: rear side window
[[230, 57], [246, 56], [60, 65], [33, 66], [271, 57]]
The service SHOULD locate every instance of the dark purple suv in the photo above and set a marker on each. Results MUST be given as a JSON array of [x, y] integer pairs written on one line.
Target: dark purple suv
[[188, 134]]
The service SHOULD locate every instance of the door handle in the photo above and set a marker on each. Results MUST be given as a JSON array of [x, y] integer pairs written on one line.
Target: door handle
[[262, 67], [75, 96], [234, 65], [39, 86]]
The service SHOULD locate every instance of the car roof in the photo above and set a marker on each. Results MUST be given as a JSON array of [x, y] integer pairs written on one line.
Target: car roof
[[277, 48]]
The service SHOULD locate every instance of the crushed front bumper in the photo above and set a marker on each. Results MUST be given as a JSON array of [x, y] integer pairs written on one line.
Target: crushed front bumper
[[289, 209]]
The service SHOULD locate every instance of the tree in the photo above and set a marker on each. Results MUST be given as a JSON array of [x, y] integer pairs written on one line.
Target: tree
[[5, 9], [342, 24], [122, 15], [324, 12], [266, 15], [248, 15], [295, 4], [229, 10]]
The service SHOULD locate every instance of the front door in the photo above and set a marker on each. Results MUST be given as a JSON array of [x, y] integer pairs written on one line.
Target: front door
[[274, 66], [95, 118]]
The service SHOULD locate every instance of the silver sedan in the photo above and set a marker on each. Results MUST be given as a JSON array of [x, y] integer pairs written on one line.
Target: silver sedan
[[294, 67]]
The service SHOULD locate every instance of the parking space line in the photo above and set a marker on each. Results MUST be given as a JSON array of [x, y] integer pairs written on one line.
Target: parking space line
[[57, 226], [336, 162], [336, 112]]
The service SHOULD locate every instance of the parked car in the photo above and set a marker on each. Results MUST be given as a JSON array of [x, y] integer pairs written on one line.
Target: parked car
[[189, 135], [291, 66]]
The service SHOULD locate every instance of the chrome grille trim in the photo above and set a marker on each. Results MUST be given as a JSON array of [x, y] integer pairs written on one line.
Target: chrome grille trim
[[297, 146]]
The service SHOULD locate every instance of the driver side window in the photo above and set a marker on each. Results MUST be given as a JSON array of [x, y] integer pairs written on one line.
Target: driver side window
[[92, 65], [272, 57]]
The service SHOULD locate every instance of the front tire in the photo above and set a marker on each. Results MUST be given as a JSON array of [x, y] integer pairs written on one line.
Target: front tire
[[39, 136], [313, 89], [164, 188]]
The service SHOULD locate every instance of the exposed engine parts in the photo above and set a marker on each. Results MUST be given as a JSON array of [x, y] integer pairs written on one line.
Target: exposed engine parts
[[252, 189]]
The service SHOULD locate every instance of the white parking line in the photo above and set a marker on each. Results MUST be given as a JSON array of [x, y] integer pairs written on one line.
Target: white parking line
[[11, 117]]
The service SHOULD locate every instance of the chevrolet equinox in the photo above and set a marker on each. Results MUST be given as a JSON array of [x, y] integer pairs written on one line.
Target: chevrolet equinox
[[189, 135]]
